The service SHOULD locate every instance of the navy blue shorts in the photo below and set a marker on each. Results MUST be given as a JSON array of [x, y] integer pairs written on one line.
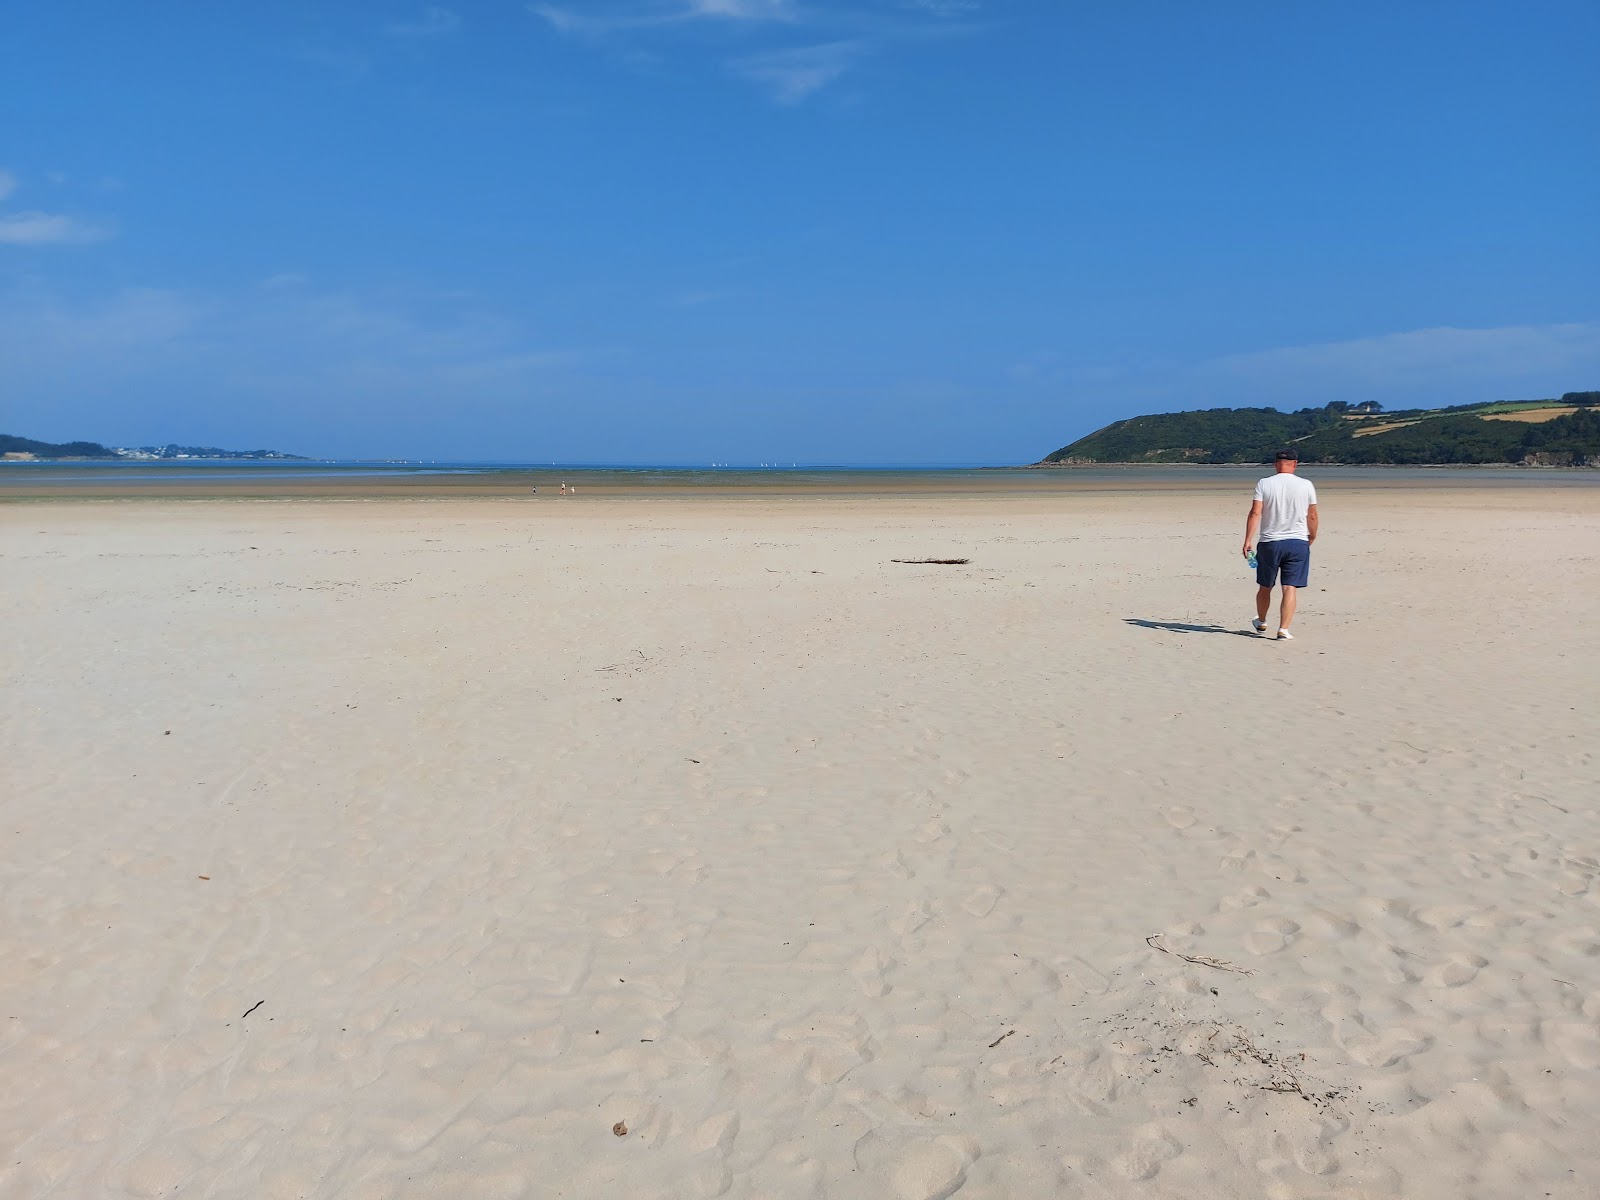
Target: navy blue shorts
[[1292, 557]]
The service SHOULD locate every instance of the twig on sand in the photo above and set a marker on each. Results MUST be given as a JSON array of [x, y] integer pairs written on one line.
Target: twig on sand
[[1203, 960], [621, 665], [1551, 803], [251, 1009], [936, 562], [1001, 1038]]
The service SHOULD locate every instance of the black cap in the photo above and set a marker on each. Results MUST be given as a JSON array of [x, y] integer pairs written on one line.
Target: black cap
[[1286, 456]]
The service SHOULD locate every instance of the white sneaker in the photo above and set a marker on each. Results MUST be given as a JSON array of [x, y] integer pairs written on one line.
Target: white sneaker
[[1285, 636], [1258, 624]]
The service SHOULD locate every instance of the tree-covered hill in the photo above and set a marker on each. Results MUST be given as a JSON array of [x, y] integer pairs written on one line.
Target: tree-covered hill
[[1564, 432], [21, 445]]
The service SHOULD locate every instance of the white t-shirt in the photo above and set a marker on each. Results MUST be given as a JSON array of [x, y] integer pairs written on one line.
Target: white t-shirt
[[1284, 500]]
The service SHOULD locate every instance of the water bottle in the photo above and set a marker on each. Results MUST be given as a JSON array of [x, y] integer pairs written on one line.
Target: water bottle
[[1250, 560]]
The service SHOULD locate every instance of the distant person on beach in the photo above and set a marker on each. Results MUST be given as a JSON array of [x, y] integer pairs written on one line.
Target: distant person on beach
[[1284, 515]]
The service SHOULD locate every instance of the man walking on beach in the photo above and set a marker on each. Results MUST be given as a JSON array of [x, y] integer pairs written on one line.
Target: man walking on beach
[[1284, 514]]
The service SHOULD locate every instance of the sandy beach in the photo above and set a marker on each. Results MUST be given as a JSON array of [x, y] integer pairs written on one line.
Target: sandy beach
[[616, 847]]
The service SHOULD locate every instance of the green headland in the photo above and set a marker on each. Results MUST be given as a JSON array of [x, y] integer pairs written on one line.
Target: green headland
[[1559, 432]]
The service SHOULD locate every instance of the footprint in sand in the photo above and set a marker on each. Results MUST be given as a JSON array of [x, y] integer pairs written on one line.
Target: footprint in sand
[[917, 915], [1458, 970], [1283, 872], [925, 1169], [1392, 1047], [1154, 1147], [1237, 860], [869, 970], [623, 924], [711, 1180], [1248, 898], [716, 1133], [1307, 1149], [998, 841], [1580, 943], [982, 900], [1331, 926], [1271, 936], [894, 863]]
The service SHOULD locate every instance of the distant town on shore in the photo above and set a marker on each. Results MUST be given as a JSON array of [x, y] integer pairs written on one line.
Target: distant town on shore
[[21, 449]]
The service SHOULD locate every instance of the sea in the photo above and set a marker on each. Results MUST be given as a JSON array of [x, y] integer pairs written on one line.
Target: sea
[[344, 477]]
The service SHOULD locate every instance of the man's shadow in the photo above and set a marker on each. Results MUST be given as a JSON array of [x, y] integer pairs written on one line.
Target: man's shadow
[[1182, 627]]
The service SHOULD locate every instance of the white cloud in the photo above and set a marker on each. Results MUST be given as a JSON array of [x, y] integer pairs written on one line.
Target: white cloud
[[435, 20], [615, 18], [943, 8], [591, 24], [8, 184], [792, 75], [840, 32], [1398, 357], [40, 228], [1417, 368], [744, 10], [39, 330], [277, 337]]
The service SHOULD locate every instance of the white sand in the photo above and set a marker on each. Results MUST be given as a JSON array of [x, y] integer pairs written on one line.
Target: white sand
[[519, 821]]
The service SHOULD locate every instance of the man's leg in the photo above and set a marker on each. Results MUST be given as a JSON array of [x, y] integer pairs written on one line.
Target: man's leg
[[1263, 602], [1286, 610]]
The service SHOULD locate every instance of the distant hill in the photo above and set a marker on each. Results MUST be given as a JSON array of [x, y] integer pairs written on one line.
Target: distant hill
[[24, 448], [21, 447], [1564, 432]]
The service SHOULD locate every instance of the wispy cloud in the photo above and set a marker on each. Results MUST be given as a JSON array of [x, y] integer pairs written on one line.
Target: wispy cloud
[[744, 10], [139, 320], [791, 75], [943, 8], [433, 21], [281, 337], [600, 19], [605, 21], [8, 184], [1415, 368], [42, 229], [1399, 357], [789, 48]]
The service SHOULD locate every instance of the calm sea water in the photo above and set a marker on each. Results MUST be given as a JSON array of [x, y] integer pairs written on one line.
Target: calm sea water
[[228, 470], [122, 476]]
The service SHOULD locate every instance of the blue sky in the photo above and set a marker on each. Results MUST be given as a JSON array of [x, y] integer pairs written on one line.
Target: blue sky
[[807, 230]]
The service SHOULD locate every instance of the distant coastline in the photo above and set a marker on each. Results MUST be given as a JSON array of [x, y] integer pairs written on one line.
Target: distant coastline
[[1562, 432], [1084, 463], [21, 449]]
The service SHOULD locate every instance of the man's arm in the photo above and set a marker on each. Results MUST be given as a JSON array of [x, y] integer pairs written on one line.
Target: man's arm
[[1252, 526], [1311, 523]]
